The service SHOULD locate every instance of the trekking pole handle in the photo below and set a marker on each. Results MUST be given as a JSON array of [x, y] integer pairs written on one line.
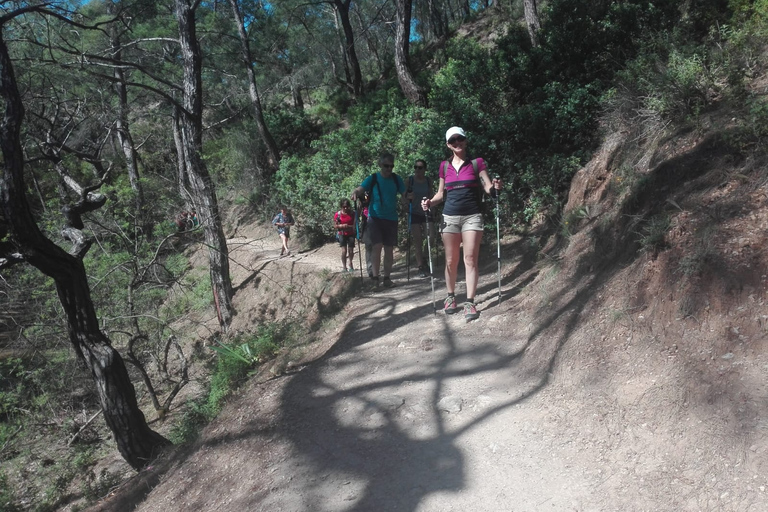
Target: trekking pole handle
[[495, 191]]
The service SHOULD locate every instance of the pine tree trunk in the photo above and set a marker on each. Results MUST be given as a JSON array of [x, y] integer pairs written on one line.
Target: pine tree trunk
[[201, 186], [532, 21], [410, 88], [126, 140], [342, 7], [273, 155]]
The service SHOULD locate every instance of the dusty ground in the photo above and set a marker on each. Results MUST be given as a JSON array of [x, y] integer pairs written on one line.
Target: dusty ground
[[609, 378]]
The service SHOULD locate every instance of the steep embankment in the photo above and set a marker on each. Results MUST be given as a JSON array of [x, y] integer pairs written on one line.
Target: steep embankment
[[624, 368]]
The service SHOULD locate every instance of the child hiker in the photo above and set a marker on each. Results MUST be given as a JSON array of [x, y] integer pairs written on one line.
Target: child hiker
[[344, 222]]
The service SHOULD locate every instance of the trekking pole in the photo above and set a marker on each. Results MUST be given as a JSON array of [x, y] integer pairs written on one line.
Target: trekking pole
[[498, 238], [429, 253], [408, 252], [358, 207]]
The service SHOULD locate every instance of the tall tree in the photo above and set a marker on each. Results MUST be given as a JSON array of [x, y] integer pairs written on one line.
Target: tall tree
[[202, 189], [273, 154], [123, 132], [22, 240], [410, 88]]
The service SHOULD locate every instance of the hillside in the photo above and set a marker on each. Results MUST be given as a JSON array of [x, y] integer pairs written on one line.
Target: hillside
[[623, 370]]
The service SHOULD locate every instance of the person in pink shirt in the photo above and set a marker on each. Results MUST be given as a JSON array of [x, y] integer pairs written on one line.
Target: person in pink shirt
[[462, 182]]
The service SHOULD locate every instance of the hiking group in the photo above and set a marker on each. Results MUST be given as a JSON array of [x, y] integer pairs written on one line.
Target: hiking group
[[462, 181]]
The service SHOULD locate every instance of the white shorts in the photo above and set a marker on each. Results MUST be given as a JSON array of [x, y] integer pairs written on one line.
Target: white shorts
[[461, 223]]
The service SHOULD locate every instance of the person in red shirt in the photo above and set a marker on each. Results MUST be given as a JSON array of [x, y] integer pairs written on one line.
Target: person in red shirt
[[344, 222]]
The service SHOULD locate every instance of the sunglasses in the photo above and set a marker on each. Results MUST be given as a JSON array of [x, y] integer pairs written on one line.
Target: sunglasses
[[454, 140], [419, 167]]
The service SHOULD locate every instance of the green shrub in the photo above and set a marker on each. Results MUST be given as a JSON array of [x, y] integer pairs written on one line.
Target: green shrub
[[235, 360]]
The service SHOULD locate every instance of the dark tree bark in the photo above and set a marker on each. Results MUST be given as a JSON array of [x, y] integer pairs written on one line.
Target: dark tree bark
[[137, 443], [437, 19], [342, 8], [532, 21], [410, 88], [273, 154], [201, 186]]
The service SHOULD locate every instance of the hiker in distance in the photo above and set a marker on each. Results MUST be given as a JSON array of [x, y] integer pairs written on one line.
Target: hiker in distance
[[418, 187], [283, 222], [344, 222], [462, 182], [382, 187]]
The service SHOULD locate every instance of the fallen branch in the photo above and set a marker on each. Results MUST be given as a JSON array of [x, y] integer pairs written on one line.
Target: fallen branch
[[77, 434]]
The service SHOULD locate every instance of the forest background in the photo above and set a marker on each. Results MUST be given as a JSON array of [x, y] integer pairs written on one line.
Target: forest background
[[120, 115]]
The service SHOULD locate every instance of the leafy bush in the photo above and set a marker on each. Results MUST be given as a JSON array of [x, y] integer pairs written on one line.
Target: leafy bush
[[312, 185]]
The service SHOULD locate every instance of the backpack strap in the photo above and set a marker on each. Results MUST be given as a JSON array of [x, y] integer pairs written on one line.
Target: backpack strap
[[375, 184]]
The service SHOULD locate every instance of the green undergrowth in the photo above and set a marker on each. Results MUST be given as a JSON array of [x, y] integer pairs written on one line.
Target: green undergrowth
[[235, 361]]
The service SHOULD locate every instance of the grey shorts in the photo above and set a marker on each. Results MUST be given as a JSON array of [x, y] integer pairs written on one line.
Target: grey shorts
[[383, 231], [461, 223]]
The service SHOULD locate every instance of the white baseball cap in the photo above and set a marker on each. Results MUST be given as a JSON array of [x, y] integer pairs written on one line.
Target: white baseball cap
[[454, 130]]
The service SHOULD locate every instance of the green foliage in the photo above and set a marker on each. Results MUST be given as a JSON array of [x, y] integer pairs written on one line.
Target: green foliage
[[313, 184], [234, 363], [194, 294]]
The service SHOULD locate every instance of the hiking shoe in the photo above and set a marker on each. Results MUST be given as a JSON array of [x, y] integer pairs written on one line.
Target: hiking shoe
[[470, 311], [423, 272], [450, 305], [388, 282]]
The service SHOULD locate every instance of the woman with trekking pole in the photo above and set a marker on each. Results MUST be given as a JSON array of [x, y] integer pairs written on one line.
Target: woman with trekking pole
[[462, 183]]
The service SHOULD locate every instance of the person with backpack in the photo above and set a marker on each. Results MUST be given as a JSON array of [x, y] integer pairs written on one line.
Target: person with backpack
[[344, 222], [283, 222], [383, 187], [462, 183], [418, 187]]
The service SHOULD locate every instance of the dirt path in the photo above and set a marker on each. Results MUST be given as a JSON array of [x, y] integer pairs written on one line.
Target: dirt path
[[410, 410], [415, 411]]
